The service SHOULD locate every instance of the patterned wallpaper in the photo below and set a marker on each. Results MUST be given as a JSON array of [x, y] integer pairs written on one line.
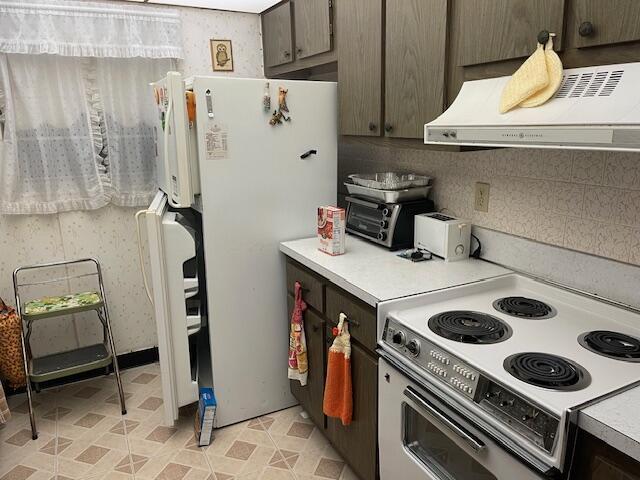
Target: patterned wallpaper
[[109, 233], [243, 29], [584, 201]]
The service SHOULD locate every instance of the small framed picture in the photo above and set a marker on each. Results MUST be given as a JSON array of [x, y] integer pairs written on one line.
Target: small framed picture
[[221, 55]]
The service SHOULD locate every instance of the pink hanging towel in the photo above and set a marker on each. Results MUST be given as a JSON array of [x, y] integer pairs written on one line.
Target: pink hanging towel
[[298, 364]]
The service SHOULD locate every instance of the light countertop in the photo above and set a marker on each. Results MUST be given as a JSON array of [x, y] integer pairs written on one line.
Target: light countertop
[[616, 421], [375, 274]]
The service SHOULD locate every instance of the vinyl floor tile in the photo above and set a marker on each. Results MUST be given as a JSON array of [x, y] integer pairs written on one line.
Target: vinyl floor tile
[[83, 436]]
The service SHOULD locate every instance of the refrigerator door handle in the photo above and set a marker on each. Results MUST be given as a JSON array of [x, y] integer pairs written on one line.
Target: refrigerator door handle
[[167, 167], [308, 153]]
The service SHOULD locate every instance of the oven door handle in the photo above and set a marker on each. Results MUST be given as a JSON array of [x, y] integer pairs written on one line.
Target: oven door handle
[[473, 442]]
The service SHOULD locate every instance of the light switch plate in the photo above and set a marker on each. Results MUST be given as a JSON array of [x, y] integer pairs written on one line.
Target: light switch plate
[[482, 197]]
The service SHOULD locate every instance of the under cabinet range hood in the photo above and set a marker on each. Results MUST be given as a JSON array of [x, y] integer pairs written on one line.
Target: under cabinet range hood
[[595, 108]]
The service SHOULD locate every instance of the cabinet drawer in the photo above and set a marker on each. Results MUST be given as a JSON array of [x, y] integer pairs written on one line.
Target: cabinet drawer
[[362, 317], [313, 287]]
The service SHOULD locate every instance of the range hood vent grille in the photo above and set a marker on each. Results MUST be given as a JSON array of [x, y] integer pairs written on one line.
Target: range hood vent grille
[[589, 84]]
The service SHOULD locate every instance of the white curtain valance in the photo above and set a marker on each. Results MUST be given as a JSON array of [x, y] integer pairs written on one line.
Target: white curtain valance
[[88, 29]]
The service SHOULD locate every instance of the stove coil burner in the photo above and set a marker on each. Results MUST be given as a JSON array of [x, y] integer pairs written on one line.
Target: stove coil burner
[[469, 327], [524, 307], [547, 371], [612, 344]]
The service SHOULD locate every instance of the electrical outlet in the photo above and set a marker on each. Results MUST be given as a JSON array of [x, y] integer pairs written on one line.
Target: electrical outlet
[[482, 197]]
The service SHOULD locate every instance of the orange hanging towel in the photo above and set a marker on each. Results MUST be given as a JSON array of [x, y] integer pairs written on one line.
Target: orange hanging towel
[[338, 395]]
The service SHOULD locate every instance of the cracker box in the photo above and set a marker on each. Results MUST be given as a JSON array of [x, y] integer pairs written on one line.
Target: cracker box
[[331, 230], [205, 417]]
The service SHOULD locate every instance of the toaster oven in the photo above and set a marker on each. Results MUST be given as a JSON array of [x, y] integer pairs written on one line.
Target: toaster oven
[[388, 224]]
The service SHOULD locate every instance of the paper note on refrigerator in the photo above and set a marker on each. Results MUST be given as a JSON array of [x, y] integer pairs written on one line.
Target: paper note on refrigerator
[[216, 141]]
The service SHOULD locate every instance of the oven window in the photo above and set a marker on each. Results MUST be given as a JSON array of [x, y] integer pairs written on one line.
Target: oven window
[[364, 219], [437, 452]]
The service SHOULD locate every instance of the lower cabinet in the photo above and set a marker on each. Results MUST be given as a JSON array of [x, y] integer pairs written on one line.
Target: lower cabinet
[[310, 396], [357, 442], [596, 460]]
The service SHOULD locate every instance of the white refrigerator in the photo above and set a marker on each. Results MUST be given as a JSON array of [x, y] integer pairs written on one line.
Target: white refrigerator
[[232, 186]]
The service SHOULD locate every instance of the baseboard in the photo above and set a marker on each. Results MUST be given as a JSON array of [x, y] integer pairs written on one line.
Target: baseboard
[[125, 361]]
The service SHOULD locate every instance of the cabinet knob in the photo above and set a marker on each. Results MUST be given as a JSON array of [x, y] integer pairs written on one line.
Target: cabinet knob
[[543, 37], [299, 50], [388, 127], [586, 29], [372, 126], [287, 53]]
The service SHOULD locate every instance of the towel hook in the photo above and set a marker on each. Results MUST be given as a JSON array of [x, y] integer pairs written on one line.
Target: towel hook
[[543, 37]]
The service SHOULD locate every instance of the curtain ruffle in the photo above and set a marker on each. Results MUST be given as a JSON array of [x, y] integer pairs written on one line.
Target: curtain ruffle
[[81, 29]]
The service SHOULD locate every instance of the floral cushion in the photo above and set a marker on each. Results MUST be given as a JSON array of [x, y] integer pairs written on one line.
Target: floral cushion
[[63, 302]]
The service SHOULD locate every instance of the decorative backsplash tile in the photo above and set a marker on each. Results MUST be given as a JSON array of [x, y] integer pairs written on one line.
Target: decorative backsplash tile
[[585, 201]]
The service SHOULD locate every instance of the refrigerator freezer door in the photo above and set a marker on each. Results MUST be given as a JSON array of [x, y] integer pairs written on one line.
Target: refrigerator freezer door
[[261, 186], [169, 245], [176, 161]]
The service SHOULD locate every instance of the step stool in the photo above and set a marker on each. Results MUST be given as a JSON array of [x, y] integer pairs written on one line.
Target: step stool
[[63, 364]]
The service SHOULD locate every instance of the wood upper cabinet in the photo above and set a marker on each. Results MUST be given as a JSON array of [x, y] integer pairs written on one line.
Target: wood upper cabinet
[[597, 22], [312, 20], [491, 38], [415, 52], [495, 30], [277, 41], [360, 67]]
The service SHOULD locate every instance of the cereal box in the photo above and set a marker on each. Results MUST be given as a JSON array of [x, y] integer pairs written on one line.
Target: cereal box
[[331, 230]]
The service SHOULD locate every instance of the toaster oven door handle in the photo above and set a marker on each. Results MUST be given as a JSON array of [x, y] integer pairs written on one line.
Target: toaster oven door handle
[[362, 202], [473, 442]]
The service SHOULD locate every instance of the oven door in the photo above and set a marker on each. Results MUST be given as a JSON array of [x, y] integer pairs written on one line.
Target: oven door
[[420, 438]]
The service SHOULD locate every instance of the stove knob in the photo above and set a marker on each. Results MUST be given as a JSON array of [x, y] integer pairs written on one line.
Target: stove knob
[[382, 236], [384, 224], [414, 347], [506, 403], [524, 418], [398, 338]]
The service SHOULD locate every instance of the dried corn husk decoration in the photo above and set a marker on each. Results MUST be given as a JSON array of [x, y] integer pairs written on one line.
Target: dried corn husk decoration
[[535, 82]]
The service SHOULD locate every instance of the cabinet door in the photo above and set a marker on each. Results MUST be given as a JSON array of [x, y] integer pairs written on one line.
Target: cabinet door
[[494, 30], [415, 46], [360, 67], [358, 441], [312, 19], [603, 22], [276, 36], [310, 396]]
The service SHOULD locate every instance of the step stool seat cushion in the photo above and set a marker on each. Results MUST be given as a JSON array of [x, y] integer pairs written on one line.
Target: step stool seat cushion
[[71, 301]]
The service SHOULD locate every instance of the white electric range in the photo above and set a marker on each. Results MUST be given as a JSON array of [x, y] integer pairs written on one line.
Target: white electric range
[[483, 381]]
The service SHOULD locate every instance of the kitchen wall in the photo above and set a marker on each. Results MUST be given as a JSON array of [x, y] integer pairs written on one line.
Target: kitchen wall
[[584, 201], [109, 233]]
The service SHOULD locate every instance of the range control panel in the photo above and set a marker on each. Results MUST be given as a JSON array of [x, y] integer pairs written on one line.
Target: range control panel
[[509, 408], [524, 417], [441, 364]]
